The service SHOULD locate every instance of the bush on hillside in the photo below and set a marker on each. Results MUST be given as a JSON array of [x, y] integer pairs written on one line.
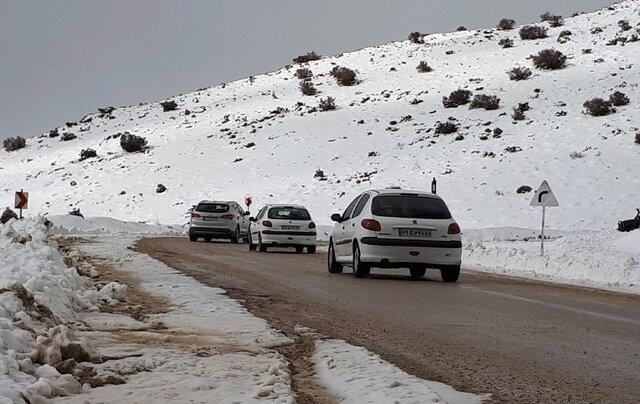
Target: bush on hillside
[[169, 106], [461, 28], [638, 138], [67, 136], [416, 37], [310, 56], [14, 143], [446, 128], [87, 154], [533, 32], [553, 20], [327, 104], [624, 25], [519, 73], [549, 59], [307, 88], [304, 73], [518, 115], [598, 107], [488, 102], [344, 76], [618, 99], [423, 67], [506, 43], [506, 24], [132, 143], [76, 212], [456, 98]]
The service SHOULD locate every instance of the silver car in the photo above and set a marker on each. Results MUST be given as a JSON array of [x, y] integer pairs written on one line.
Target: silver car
[[218, 219]]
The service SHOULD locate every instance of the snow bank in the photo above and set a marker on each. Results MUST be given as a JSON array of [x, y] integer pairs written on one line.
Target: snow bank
[[70, 224], [37, 291], [359, 376], [606, 259]]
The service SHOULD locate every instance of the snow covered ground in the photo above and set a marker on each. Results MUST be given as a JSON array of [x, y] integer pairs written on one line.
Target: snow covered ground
[[259, 137], [73, 334], [603, 259]]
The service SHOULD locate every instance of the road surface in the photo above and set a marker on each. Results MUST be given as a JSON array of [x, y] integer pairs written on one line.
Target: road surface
[[521, 340]]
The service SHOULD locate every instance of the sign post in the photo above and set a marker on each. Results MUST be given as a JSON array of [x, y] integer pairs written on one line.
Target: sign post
[[544, 197], [21, 201]]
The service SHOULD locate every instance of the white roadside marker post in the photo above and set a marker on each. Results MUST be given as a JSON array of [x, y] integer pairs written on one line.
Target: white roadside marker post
[[544, 197]]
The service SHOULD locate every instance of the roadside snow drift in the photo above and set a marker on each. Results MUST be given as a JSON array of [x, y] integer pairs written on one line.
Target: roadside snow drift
[[262, 137]]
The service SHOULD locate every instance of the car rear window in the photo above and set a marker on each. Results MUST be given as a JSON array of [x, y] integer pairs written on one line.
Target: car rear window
[[289, 213], [410, 206], [212, 207]]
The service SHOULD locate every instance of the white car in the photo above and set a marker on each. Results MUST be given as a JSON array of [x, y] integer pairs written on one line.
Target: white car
[[394, 228], [218, 219], [282, 226]]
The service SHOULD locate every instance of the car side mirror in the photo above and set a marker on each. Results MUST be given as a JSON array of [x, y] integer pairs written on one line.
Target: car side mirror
[[252, 219], [246, 213], [336, 217]]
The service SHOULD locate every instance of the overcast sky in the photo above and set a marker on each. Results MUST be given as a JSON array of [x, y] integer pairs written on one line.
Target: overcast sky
[[62, 59]]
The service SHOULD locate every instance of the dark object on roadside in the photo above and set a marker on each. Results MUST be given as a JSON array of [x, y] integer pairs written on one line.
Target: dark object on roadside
[[87, 154], [632, 224], [523, 189], [76, 212], [7, 215], [132, 143], [169, 106], [310, 56], [14, 143], [160, 189]]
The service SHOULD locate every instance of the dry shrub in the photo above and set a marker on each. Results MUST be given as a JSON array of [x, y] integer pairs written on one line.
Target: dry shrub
[[456, 98], [549, 59], [488, 102], [506, 43], [307, 88], [446, 128], [169, 106], [304, 73], [598, 107], [423, 67], [310, 56], [619, 99], [14, 143], [344, 76], [506, 24], [519, 73], [327, 104], [533, 32], [132, 143], [416, 37]]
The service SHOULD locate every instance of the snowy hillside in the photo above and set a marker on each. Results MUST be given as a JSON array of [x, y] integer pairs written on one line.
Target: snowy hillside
[[258, 137]]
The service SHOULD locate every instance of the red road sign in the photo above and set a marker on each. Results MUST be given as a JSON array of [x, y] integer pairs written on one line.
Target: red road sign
[[247, 201], [22, 200]]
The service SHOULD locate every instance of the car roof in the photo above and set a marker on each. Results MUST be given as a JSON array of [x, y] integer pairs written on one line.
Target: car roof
[[399, 191], [284, 205], [216, 202]]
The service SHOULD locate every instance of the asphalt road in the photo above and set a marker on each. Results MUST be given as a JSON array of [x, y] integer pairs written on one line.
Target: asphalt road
[[522, 341]]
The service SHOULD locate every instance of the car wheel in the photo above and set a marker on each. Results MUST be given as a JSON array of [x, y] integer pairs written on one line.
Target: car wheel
[[207, 239], [450, 274], [311, 249], [299, 249], [417, 272], [235, 238], [334, 266], [360, 269], [193, 238], [261, 247], [252, 246]]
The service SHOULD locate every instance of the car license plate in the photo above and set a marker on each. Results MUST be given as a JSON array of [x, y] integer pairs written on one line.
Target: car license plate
[[422, 233], [290, 227], [209, 219]]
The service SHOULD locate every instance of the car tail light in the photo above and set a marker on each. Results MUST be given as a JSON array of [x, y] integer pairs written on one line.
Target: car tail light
[[195, 215], [312, 225], [453, 228], [267, 223], [228, 216], [371, 224]]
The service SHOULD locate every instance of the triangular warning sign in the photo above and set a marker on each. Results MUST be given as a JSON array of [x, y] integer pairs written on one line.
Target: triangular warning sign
[[544, 196]]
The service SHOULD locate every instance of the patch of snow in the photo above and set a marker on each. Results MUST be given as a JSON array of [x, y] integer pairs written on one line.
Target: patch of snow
[[359, 376], [70, 224]]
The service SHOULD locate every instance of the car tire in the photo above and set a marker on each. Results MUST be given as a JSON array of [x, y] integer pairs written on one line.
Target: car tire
[[360, 269], [235, 238], [261, 247], [311, 249], [299, 249], [417, 272], [193, 238], [333, 266], [252, 247], [207, 239], [450, 274]]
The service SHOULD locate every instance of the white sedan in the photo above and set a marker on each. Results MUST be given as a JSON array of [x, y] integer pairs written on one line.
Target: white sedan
[[282, 226], [394, 228]]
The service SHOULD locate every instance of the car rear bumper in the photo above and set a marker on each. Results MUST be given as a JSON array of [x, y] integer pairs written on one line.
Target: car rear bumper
[[216, 232], [288, 238], [403, 252]]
